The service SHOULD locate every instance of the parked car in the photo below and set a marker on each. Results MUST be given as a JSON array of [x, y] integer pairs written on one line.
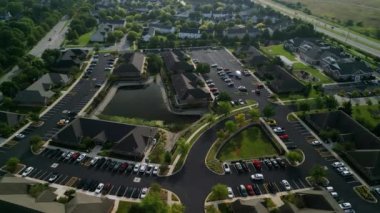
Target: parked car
[[93, 161], [377, 190], [68, 156], [214, 65], [284, 136], [239, 167], [249, 189], [256, 189], [116, 166], [278, 130], [230, 192], [275, 163], [330, 188], [334, 194], [136, 168], [268, 163], [286, 184], [271, 187], [242, 191], [106, 188], [346, 173], [341, 169], [142, 168], [27, 171], [271, 122], [19, 136], [53, 177], [281, 162], [155, 170], [345, 205], [316, 143], [144, 192], [81, 157], [337, 164], [242, 89], [149, 169], [245, 166], [241, 101], [257, 177], [75, 156], [257, 164], [123, 167], [226, 168], [209, 81], [99, 188]]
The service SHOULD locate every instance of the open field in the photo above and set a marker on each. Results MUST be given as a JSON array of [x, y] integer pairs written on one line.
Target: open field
[[340, 11], [276, 50], [248, 144], [367, 115], [312, 71]]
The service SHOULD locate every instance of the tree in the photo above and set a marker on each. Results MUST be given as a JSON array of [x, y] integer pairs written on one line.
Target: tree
[[50, 56], [230, 126], [202, 68], [347, 107], [219, 192], [9, 88], [224, 96], [183, 147], [35, 139], [318, 173], [132, 36], [304, 106], [318, 102], [240, 119], [153, 203], [294, 156], [155, 63], [220, 134], [255, 114], [268, 111], [11, 164], [224, 107], [330, 102], [177, 208], [35, 117]]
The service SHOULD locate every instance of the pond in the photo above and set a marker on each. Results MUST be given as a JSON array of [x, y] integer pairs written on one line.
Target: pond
[[144, 103]]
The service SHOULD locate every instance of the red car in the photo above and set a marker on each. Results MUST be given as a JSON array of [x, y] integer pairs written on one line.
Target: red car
[[123, 167], [257, 164], [214, 89], [75, 155], [249, 189], [284, 137], [260, 86]]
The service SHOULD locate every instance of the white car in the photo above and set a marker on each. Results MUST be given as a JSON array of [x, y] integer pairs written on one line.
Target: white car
[[81, 157], [230, 193], [241, 102], [68, 156], [226, 168], [330, 188], [94, 160], [142, 168], [334, 194], [99, 188], [377, 190], [19, 136], [278, 130], [257, 176], [27, 171], [341, 169], [345, 205], [155, 170], [209, 81], [144, 192], [346, 173], [337, 164], [214, 65], [316, 143], [136, 168], [286, 185], [53, 177]]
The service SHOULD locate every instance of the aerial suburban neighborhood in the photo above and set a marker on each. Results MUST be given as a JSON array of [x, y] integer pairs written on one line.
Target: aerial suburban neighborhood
[[192, 106]]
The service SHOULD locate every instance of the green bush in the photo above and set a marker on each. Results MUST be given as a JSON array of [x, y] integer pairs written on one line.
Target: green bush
[[11, 164]]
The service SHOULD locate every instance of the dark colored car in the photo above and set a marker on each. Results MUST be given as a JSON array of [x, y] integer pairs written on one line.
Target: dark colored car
[[93, 185], [87, 184], [81, 183], [245, 166], [257, 165], [275, 163], [268, 163], [239, 167], [291, 146], [100, 162], [123, 167], [256, 189], [130, 167], [281, 162], [106, 188], [116, 166], [112, 165], [271, 187], [242, 190], [75, 156]]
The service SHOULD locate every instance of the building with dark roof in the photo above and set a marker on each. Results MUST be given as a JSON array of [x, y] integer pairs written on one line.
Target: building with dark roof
[[238, 31], [128, 141], [69, 59], [346, 69], [40, 92], [177, 61], [280, 81], [310, 53], [189, 90], [131, 67], [365, 157], [254, 57]]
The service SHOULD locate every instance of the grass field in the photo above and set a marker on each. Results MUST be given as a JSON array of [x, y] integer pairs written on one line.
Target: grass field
[[84, 39], [314, 72], [248, 144], [124, 206], [340, 11], [275, 50], [369, 116]]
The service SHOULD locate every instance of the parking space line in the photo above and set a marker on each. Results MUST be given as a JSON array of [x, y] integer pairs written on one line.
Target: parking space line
[[117, 190], [278, 189], [40, 176], [354, 181], [265, 186], [63, 181], [33, 175], [43, 177], [295, 184], [303, 185]]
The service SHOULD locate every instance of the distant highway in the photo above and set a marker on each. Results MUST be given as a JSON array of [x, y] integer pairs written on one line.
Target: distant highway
[[52, 40], [343, 35]]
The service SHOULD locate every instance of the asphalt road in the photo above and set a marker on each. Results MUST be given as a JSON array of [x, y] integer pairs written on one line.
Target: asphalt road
[[56, 36], [194, 181], [343, 35]]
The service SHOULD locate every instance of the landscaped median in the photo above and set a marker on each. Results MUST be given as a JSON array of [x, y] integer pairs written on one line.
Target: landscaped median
[[365, 194]]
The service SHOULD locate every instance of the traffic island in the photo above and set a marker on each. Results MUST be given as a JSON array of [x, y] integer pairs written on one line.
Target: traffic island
[[324, 181], [364, 193], [295, 157]]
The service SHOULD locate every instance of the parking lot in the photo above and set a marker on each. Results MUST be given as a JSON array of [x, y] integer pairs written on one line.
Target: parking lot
[[223, 59]]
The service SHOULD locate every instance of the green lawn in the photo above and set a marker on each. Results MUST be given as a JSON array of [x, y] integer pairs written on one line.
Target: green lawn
[[124, 206], [367, 115], [314, 72], [275, 50], [248, 144], [85, 38]]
